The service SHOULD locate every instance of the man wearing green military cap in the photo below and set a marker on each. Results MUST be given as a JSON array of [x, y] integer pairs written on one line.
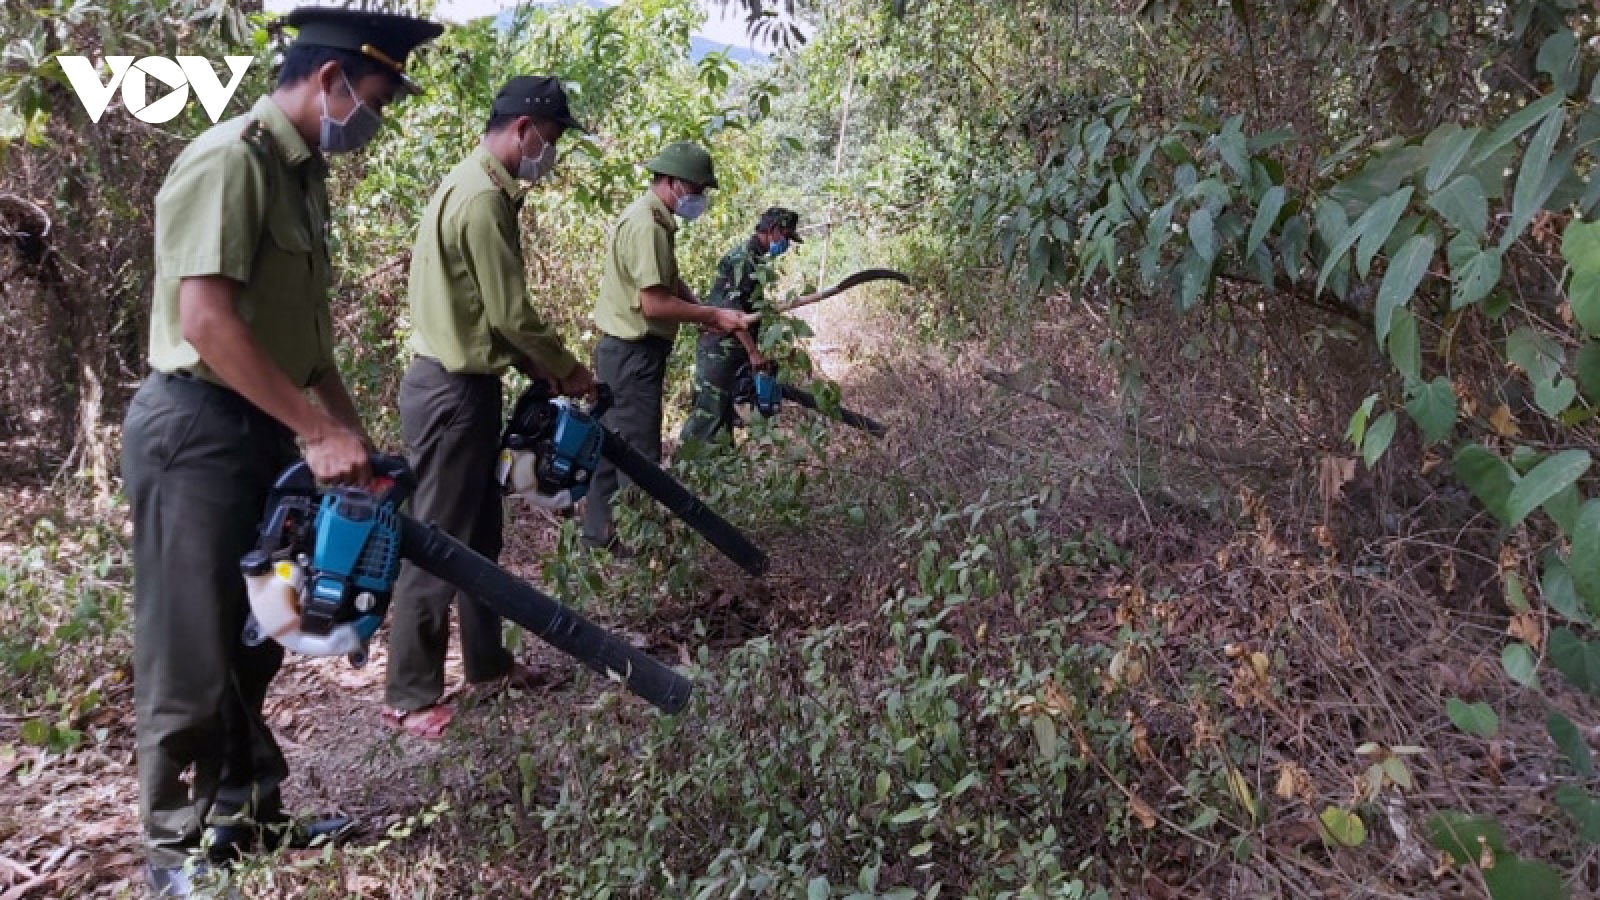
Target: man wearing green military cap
[[240, 334], [741, 277], [641, 304], [471, 321]]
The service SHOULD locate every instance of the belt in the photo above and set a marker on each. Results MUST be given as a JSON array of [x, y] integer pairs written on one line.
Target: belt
[[186, 380], [649, 340]]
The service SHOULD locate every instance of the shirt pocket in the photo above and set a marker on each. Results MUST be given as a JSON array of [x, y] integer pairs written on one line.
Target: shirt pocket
[[289, 239]]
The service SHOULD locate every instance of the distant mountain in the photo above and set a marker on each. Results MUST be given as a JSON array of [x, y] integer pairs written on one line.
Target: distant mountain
[[699, 47]]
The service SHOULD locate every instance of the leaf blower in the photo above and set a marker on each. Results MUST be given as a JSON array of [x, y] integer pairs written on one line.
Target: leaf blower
[[323, 572], [765, 393], [552, 447]]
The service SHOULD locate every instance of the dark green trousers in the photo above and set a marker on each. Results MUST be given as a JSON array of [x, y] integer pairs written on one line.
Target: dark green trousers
[[636, 371], [715, 368], [451, 425], [197, 463]]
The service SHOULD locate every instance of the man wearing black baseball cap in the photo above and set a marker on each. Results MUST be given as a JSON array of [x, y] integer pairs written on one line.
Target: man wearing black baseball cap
[[472, 320], [242, 358]]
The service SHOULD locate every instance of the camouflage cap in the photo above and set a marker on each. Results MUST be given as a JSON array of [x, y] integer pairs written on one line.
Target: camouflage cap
[[787, 219]]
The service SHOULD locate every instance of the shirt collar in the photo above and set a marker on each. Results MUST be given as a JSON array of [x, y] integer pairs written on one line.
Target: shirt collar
[[660, 213], [498, 174], [293, 147]]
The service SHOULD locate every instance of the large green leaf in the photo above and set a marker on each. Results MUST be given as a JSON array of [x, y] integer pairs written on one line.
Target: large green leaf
[[1584, 295], [1521, 879], [1476, 279], [1233, 148], [1513, 127], [1587, 364], [1474, 270], [1356, 432], [1433, 408], [1447, 152], [1535, 354], [1378, 438], [1558, 58], [1560, 594], [1463, 837], [1194, 279], [1462, 205], [1489, 477], [1476, 719], [1531, 190], [1405, 347], [1203, 234], [1584, 810], [1571, 743], [1342, 827], [1546, 480], [1520, 665], [1575, 658], [1266, 217], [1580, 246], [1584, 563], [1564, 509], [1376, 226], [1292, 246], [1341, 245], [1400, 282]]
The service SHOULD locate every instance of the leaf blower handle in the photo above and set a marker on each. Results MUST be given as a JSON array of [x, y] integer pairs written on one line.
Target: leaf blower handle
[[603, 400], [392, 477]]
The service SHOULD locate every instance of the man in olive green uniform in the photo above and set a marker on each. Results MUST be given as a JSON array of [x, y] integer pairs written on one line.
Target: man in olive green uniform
[[240, 330], [471, 320], [741, 277], [642, 301]]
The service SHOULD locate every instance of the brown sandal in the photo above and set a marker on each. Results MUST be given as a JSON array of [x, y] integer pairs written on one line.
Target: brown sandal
[[428, 723]]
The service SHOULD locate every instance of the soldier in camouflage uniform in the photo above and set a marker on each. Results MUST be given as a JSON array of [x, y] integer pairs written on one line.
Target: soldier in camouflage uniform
[[741, 277]]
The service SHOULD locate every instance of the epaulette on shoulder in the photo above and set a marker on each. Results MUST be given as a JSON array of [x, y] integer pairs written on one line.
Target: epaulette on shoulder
[[662, 219], [259, 139]]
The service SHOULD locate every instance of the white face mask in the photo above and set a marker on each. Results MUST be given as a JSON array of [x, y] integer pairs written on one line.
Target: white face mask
[[534, 169], [689, 206], [357, 129]]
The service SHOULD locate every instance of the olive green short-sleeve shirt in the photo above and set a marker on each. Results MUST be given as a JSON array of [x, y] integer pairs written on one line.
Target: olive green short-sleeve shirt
[[640, 254], [469, 287], [247, 200]]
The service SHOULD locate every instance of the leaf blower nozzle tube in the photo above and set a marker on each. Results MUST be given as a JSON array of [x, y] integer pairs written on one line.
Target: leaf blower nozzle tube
[[445, 557]]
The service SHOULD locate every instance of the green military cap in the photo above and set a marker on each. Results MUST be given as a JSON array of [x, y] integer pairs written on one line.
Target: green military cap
[[787, 219], [385, 38], [686, 160], [537, 96]]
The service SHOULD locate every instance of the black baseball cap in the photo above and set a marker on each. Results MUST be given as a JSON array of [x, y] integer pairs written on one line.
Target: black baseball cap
[[537, 96], [787, 219], [385, 38]]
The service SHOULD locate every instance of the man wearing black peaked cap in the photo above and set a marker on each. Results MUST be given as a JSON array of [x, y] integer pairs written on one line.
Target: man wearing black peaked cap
[[241, 353], [472, 319]]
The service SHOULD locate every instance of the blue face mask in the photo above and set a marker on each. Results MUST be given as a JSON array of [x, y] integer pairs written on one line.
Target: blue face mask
[[777, 247]]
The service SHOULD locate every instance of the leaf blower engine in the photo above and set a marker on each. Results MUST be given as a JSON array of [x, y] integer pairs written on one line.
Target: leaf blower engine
[[551, 448], [324, 567]]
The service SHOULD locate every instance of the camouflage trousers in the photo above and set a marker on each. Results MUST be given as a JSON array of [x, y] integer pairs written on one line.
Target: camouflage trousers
[[715, 368]]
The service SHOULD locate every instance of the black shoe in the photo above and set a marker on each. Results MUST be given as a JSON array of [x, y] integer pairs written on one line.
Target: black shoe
[[192, 880], [229, 842]]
